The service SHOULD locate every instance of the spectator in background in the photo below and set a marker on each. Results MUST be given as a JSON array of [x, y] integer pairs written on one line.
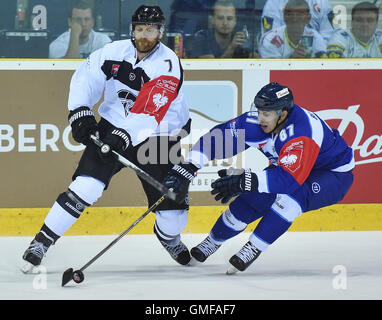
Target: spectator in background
[[363, 40], [189, 16], [295, 39], [222, 41], [81, 40], [320, 10]]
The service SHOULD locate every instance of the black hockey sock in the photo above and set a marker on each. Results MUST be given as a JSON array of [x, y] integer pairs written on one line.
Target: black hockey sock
[[168, 239], [63, 214], [49, 233], [72, 203]]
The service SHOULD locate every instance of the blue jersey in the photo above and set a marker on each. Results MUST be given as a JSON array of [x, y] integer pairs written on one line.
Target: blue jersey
[[304, 144]]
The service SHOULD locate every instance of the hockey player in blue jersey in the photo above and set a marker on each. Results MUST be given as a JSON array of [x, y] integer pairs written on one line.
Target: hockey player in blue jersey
[[311, 167]]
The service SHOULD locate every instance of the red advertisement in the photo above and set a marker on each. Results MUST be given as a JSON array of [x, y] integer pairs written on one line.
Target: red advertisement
[[350, 101]]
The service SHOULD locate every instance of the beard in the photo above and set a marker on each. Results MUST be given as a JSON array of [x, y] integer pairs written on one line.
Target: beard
[[144, 45]]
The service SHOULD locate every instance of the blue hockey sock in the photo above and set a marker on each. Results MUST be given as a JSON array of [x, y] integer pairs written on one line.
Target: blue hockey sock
[[226, 227], [269, 229]]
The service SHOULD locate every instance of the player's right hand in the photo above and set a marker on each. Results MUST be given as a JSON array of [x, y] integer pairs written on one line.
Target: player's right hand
[[118, 140], [232, 182], [83, 124]]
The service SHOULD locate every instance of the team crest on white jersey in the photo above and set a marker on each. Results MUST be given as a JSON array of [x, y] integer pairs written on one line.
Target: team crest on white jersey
[[127, 99], [159, 100]]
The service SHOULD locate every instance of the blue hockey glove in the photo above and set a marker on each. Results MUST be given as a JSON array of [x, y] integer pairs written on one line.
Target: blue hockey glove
[[232, 182]]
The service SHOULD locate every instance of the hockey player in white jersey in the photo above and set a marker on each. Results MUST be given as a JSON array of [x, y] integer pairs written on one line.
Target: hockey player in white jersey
[[143, 106], [311, 167], [320, 10], [363, 40], [295, 39]]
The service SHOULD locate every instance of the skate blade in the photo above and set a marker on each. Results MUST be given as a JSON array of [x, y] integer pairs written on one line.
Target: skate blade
[[231, 270], [27, 267], [193, 262]]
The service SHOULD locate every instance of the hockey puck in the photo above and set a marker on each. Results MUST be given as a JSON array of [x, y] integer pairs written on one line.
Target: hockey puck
[[78, 276], [105, 148]]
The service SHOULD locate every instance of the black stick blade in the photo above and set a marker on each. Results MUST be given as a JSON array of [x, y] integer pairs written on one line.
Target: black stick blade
[[67, 276]]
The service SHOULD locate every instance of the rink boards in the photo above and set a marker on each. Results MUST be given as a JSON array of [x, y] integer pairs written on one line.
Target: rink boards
[[38, 155], [114, 220]]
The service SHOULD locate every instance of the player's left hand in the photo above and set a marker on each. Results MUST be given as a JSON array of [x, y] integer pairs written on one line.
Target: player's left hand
[[179, 179], [232, 182]]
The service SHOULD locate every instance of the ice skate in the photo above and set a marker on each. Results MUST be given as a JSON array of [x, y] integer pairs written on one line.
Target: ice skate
[[244, 258], [36, 251], [178, 252], [203, 250]]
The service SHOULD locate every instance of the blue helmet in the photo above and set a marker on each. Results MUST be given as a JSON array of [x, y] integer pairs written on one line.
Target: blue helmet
[[274, 96]]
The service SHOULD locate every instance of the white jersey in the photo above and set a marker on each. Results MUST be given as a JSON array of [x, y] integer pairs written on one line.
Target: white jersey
[[320, 10], [276, 44], [59, 47], [143, 98], [343, 44]]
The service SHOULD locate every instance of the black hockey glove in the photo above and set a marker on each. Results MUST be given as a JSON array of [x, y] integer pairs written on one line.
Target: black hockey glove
[[83, 124], [118, 140], [232, 182], [179, 179]]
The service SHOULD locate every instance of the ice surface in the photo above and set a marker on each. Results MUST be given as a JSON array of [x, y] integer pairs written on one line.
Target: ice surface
[[300, 265]]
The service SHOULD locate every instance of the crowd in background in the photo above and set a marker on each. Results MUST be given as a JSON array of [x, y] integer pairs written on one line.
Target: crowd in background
[[200, 29]]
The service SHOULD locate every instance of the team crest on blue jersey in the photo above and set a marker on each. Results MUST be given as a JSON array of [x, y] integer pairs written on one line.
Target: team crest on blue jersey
[[316, 187]]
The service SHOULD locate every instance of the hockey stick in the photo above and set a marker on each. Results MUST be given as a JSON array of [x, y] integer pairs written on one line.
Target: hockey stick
[[78, 275], [105, 148]]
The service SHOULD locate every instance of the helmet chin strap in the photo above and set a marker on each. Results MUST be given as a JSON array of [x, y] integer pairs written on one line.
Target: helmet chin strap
[[279, 124]]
